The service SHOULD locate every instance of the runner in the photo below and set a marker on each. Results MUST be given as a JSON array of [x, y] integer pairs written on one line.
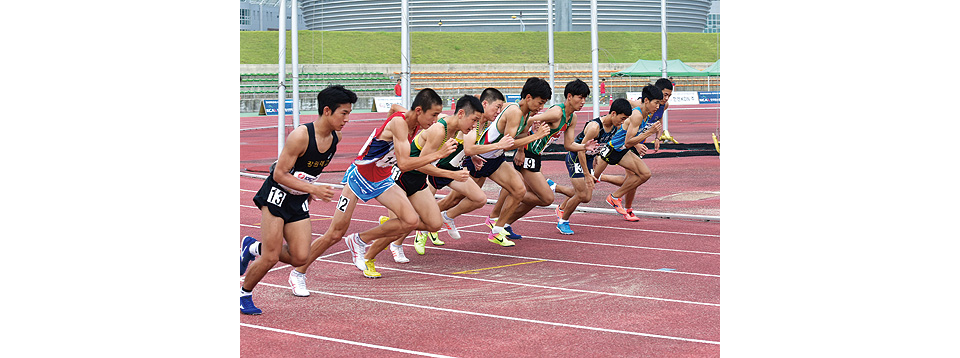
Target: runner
[[283, 197], [514, 122], [626, 147], [560, 118], [667, 88], [370, 177], [580, 163]]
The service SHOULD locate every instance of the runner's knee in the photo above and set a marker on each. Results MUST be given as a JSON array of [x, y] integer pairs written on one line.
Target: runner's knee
[[298, 259], [585, 196]]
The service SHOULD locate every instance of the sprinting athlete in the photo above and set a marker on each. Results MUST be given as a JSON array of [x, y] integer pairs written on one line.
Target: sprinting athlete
[[370, 177], [626, 147], [447, 171], [283, 197], [580, 163], [513, 121], [560, 118], [667, 88]]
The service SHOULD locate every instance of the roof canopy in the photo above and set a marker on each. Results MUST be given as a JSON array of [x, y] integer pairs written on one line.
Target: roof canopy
[[713, 70], [650, 68]]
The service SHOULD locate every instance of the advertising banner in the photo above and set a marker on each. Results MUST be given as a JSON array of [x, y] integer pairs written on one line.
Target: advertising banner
[[268, 107], [709, 97]]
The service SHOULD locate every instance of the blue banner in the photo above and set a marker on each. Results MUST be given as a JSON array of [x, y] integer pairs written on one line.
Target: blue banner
[[709, 97], [269, 107], [512, 98]]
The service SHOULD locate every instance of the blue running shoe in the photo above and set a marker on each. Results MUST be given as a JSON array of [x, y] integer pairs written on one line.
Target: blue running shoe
[[552, 184], [247, 307], [245, 255], [511, 235], [565, 228]]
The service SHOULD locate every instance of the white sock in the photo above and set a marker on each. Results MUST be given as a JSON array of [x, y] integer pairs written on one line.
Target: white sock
[[564, 221], [297, 273], [255, 249], [445, 217], [245, 293], [395, 246], [497, 229]]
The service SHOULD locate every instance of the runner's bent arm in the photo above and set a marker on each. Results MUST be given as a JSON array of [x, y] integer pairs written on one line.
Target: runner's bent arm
[[293, 148], [401, 146]]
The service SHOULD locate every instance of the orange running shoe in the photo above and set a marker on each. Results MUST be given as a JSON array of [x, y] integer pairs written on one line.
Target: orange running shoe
[[616, 204], [629, 216]]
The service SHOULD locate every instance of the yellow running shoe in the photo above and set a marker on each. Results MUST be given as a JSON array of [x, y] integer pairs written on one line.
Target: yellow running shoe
[[420, 242], [500, 239], [371, 271], [435, 239], [384, 219]]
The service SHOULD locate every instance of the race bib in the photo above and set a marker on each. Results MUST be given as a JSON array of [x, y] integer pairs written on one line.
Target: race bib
[[304, 177]]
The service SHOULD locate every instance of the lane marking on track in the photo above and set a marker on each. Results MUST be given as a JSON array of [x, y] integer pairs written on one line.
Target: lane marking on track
[[606, 244], [368, 345], [474, 271], [518, 319], [535, 285], [324, 257], [579, 263], [551, 222], [553, 260]]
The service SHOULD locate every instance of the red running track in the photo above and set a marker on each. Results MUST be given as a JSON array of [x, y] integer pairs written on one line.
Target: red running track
[[614, 288]]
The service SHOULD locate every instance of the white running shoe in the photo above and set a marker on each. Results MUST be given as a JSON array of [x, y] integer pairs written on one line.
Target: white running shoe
[[298, 283], [358, 248], [398, 255], [450, 226]]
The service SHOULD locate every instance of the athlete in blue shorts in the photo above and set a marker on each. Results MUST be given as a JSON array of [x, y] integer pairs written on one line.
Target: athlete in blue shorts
[[580, 163], [626, 147], [369, 177], [667, 88]]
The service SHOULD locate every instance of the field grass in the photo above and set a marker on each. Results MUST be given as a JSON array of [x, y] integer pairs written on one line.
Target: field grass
[[336, 47]]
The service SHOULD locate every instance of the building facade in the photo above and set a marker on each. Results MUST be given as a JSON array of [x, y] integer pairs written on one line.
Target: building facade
[[713, 18], [503, 16], [259, 15]]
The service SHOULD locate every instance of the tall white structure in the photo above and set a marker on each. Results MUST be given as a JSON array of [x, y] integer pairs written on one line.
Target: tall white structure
[[501, 16]]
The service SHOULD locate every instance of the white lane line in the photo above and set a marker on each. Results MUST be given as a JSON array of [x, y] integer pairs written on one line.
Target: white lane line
[[536, 286], [543, 259], [526, 320], [368, 345]]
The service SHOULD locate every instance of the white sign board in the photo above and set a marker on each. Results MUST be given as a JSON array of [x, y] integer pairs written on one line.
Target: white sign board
[[382, 104], [684, 98], [678, 98]]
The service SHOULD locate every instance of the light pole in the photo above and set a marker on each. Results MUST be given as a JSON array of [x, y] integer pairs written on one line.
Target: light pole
[[521, 20]]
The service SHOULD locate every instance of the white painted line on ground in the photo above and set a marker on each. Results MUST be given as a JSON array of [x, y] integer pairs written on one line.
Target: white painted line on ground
[[368, 345], [526, 320]]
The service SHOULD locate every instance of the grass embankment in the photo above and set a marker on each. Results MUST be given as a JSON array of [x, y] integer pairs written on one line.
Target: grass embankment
[[336, 47]]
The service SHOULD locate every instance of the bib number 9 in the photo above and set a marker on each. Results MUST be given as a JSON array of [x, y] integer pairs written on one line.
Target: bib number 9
[[529, 163]]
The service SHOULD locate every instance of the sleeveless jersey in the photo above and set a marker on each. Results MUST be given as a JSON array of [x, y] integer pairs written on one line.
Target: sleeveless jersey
[[602, 138], [539, 145], [309, 166], [656, 116], [492, 135], [620, 137], [377, 157], [454, 161]]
